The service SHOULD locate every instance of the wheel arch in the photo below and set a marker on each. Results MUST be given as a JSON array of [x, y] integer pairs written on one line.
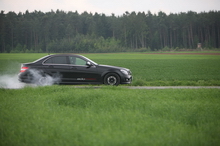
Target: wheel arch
[[109, 72]]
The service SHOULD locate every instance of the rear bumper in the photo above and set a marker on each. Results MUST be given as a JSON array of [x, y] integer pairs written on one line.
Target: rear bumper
[[24, 78]]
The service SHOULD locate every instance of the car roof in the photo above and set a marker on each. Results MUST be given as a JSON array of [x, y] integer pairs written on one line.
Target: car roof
[[40, 60], [67, 54]]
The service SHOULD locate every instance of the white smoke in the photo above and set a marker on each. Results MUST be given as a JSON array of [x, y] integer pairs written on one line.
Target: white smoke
[[10, 81], [43, 79], [9, 76]]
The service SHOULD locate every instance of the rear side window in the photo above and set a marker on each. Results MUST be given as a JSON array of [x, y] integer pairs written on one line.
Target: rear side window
[[56, 60]]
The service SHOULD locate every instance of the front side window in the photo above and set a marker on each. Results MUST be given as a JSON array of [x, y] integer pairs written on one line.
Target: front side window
[[57, 60], [76, 61]]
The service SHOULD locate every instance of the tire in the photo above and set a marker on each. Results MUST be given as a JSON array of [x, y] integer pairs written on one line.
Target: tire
[[111, 79]]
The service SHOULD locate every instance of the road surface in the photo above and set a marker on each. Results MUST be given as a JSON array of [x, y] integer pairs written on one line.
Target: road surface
[[172, 87], [157, 87]]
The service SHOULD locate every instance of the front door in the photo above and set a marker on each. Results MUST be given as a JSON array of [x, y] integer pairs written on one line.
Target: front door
[[80, 72]]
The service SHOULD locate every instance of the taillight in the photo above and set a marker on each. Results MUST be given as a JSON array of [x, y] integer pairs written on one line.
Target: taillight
[[23, 69]]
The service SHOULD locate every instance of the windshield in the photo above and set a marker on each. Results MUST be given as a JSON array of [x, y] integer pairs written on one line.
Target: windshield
[[90, 60]]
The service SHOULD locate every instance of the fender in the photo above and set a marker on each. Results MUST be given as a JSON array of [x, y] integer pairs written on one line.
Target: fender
[[111, 71]]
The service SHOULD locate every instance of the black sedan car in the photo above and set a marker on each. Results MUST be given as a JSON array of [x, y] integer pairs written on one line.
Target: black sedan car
[[72, 69]]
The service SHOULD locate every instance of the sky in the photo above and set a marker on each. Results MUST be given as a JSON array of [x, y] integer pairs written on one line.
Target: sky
[[109, 7]]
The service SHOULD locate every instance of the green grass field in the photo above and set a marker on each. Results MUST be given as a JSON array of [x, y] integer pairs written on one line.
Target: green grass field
[[116, 116], [64, 115], [147, 69]]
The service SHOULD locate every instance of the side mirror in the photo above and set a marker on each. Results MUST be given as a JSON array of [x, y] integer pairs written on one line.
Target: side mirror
[[88, 64]]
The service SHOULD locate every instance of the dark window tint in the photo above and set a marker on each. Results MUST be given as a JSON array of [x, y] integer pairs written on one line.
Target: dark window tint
[[57, 60]]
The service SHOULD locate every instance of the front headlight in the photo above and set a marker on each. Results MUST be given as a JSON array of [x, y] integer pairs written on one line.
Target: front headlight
[[124, 71]]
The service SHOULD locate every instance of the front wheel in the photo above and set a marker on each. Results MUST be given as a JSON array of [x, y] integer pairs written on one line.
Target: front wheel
[[112, 79]]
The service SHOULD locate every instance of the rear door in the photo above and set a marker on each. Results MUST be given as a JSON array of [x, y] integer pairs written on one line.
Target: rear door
[[58, 66]]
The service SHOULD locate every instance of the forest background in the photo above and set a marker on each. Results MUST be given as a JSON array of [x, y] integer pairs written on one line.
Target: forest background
[[61, 32]]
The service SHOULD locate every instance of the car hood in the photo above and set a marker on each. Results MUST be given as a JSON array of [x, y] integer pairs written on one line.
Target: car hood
[[109, 66]]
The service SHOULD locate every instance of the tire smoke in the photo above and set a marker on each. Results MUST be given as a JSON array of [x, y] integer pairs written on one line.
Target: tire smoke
[[41, 79], [10, 81]]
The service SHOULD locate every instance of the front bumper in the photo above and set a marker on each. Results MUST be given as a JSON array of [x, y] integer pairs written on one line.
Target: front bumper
[[127, 80]]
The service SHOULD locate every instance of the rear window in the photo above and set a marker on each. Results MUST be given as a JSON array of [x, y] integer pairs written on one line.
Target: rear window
[[40, 59]]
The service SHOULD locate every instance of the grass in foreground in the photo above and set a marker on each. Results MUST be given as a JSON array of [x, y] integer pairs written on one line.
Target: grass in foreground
[[64, 115]]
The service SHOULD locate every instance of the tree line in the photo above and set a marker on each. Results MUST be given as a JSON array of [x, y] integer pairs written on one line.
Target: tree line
[[59, 31]]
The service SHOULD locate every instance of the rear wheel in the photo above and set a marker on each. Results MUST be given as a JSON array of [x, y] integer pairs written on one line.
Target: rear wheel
[[112, 79], [43, 81]]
